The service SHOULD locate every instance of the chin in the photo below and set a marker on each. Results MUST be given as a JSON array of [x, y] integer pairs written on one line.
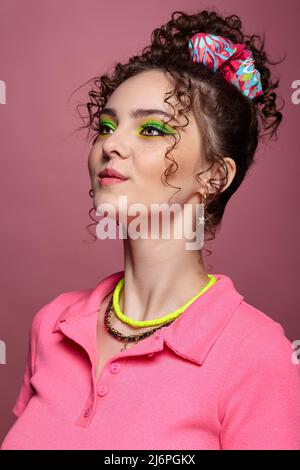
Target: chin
[[104, 197]]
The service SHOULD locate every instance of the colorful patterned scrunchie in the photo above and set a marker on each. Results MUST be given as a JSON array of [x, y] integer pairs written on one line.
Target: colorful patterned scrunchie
[[238, 61]]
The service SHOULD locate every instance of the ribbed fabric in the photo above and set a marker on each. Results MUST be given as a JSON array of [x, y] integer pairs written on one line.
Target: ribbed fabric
[[221, 376]]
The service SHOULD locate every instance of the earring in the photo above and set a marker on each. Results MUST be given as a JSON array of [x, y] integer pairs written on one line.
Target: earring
[[201, 220]]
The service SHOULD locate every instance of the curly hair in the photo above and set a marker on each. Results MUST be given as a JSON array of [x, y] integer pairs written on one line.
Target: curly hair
[[229, 122]]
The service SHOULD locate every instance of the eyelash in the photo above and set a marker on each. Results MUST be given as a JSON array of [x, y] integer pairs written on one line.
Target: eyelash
[[148, 125]]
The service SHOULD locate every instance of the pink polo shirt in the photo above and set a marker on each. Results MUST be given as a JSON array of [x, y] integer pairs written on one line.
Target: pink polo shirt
[[221, 376]]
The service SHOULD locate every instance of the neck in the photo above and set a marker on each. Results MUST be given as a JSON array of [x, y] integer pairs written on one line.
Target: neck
[[159, 277]]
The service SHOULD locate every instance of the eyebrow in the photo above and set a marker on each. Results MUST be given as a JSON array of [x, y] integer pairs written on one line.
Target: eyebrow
[[137, 113]]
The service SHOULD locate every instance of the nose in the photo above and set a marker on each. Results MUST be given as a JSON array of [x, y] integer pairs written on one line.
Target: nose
[[115, 146]]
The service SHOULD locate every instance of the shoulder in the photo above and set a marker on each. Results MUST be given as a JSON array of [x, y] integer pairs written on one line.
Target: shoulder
[[254, 327], [258, 348], [72, 303], [241, 323], [261, 349], [48, 313]]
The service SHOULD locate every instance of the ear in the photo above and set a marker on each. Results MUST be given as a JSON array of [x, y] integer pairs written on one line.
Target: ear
[[220, 175], [231, 171]]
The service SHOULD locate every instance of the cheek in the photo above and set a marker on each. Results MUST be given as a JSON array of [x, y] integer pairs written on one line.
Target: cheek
[[150, 163], [184, 177], [91, 161]]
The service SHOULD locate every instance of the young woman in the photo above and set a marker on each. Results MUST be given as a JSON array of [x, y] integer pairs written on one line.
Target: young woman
[[164, 355]]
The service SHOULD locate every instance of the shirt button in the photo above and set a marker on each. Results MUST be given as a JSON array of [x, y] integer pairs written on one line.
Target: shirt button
[[157, 335], [103, 390], [115, 367], [87, 412]]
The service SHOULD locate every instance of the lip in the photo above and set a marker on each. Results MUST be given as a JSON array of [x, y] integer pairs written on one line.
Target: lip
[[111, 173], [105, 181]]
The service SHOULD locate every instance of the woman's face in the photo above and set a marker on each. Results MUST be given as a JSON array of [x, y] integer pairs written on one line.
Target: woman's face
[[135, 145]]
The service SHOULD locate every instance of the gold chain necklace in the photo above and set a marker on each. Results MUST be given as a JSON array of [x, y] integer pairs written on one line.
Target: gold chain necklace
[[127, 338]]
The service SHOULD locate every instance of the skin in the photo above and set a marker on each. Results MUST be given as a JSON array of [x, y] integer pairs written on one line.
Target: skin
[[151, 290]]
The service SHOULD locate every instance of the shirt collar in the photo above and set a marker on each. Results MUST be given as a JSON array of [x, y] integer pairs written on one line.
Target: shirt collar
[[192, 334]]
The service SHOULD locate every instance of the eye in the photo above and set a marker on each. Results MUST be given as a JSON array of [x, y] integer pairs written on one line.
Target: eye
[[152, 127], [101, 128]]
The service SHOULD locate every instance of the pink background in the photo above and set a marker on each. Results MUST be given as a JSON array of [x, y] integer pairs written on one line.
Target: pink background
[[49, 48]]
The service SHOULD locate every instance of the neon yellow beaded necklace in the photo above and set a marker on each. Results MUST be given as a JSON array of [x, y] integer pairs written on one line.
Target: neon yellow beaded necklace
[[157, 321]]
